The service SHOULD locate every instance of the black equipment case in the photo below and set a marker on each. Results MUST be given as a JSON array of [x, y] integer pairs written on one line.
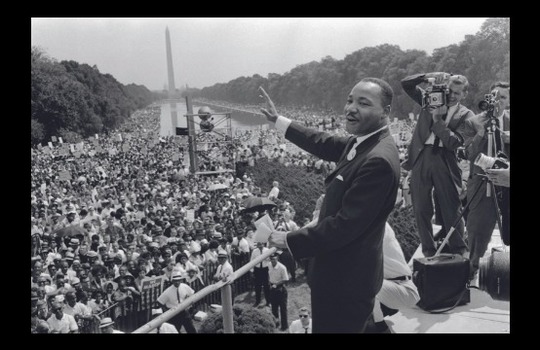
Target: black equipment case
[[441, 281]]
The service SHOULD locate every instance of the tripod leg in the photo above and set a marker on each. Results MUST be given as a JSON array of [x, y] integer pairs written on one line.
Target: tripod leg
[[458, 220]]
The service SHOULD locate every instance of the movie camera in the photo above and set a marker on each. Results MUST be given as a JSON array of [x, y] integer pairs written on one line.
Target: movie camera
[[489, 102]]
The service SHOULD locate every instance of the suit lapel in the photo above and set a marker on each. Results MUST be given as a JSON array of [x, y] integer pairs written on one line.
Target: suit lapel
[[360, 149], [506, 120], [342, 160], [454, 119]]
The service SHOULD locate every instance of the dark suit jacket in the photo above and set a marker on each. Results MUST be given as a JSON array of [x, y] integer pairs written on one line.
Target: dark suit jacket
[[346, 245], [451, 135]]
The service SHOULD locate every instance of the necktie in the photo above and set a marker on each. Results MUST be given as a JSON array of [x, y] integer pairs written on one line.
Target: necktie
[[498, 139], [352, 152], [305, 329], [160, 327], [436, 140], [260, 265], [178, 294]]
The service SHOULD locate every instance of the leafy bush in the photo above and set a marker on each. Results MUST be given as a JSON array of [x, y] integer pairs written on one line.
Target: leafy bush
[[246, 319], [296, 185], [404, 225]]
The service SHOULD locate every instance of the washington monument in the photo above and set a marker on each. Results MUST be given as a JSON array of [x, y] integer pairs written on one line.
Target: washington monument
[[172, 88]]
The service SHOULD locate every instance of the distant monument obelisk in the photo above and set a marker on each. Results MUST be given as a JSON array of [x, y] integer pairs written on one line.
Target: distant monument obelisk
[[172, 87]]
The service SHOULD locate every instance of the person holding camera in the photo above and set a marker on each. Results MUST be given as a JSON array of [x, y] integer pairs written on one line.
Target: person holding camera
[[483, 208], [432, 156]]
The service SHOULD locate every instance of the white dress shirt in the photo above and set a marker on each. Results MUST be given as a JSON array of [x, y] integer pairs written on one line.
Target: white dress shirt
[[257, 252], [297, 327], [224, 270], [277, 273]]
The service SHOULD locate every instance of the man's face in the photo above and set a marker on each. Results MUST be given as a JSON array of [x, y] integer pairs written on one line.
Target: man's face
[[457, 93], [65, 267], [71, 301], [503, 97], [83, 249], [364, 110], [304, 318], [58, 313]]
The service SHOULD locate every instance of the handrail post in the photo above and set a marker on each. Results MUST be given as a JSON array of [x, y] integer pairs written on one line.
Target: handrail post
[[227, 311]]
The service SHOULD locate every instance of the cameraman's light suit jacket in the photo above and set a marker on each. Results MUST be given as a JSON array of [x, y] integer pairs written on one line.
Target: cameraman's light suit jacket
[[346, 271], [452, 135]]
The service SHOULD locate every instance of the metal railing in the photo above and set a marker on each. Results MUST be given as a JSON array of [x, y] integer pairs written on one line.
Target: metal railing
[[226, 298]]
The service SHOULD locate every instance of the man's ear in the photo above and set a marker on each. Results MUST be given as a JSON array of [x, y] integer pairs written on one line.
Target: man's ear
[[387, 109]]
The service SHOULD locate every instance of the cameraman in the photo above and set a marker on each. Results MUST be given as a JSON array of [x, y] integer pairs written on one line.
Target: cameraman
[[482, 211], [432, 157]]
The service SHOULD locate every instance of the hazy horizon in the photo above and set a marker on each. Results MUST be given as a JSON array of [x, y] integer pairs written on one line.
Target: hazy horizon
[[207, 51]]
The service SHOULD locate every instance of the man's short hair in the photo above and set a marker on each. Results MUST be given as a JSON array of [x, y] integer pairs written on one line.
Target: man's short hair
[[501, 84], [459, 79], [387, 93], [304, 309]]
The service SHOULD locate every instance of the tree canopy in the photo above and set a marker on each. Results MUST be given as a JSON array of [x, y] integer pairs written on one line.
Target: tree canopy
[[483, 58], [73, 100]]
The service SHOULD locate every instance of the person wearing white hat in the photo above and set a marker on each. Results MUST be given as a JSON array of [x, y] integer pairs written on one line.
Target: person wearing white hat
[[165, 326], [106, 325], [225, 269], [175, 295]]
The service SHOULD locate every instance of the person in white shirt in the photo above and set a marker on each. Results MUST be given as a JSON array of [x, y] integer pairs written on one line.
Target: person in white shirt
[[260, 274], [278, 277], [398, 290], [175, 295], [224, 270], [303, 324], [274, 192], [243, 243], [60, 322], [165, 326], [74, 308]]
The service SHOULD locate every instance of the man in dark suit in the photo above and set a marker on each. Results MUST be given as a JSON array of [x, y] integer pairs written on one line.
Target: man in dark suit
[[433, 161], [346, 270], [482, 210]]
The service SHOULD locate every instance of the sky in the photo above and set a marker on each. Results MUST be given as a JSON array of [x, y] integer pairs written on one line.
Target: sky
[[206, 51]]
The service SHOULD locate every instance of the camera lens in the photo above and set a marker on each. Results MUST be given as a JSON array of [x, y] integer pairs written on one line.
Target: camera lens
[[494, 275], [483, 105]]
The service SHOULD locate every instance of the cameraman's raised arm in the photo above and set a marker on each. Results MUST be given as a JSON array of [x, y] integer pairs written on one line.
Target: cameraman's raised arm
[[410, 84]]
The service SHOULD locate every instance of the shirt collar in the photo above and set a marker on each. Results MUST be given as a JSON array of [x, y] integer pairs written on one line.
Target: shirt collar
[[361, 139]]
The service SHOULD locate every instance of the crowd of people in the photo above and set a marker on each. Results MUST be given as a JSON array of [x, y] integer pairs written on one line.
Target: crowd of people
[[123, 206]]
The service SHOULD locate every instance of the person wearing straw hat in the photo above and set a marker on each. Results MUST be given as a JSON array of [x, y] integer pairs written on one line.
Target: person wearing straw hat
[[224, 269], [106, 326], [165, 327], [173, 296]]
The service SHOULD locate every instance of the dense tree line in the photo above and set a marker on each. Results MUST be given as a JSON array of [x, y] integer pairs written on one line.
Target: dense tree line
[[73, 100], [483, 58]]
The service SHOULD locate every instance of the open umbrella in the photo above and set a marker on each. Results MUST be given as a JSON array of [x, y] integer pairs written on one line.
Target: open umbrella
[[71, 230], [215, 187], [252, 204]]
